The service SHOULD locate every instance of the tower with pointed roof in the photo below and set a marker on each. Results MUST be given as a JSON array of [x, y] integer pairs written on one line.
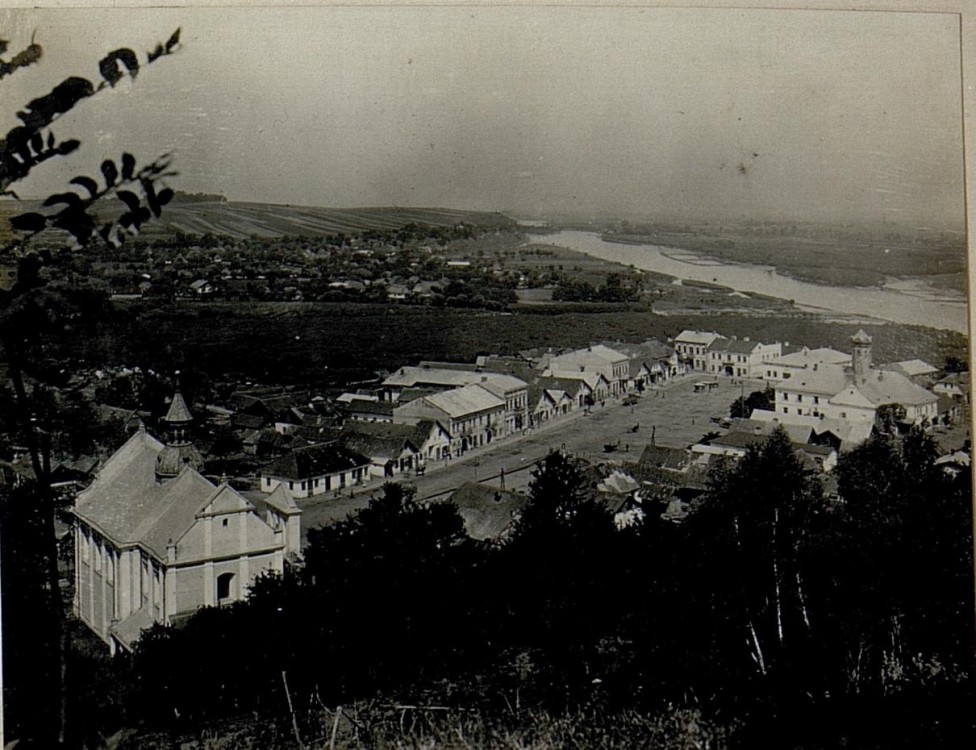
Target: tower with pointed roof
[[861, 353], [179, 450]]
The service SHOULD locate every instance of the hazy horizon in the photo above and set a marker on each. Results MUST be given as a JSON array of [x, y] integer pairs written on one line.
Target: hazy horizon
[[629, 113]]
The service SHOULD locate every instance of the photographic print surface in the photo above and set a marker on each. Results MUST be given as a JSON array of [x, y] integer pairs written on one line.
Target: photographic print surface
[[457, 376]]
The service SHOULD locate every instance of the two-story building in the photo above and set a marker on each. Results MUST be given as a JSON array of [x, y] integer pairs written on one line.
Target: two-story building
[[741, 358], [692, 348], [583, 364], [803, 361], [447, 376], [473, 415]]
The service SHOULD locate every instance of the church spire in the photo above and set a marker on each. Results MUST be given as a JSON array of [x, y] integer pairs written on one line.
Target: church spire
[[179, 450]]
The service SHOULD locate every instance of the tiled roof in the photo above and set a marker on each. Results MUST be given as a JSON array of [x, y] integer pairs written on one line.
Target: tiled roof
[[825, 381], [699, 338], [733, 346], [914, 367], [885, 387], [470, 399], [369, 407], [280, 499], [407, 377], [128, 505], [378, 446], [488, 512], [315, 461], [808, 357]]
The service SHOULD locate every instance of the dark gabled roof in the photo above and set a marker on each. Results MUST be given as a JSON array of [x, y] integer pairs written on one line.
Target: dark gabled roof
[[243, 421], [488, 512], [559, 384], [315, 461], [660, 456], [739, 439], [381, 440], [384, 408], [733, 346]]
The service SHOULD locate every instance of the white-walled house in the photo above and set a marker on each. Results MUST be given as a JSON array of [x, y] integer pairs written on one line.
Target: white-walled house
[[741, 358], [396, 448], [692, 347], [315, 469], [153, 546], [472, 415], [597, 359]]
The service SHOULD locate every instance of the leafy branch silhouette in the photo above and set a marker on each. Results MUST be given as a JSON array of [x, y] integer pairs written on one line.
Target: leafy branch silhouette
[[27, 145]]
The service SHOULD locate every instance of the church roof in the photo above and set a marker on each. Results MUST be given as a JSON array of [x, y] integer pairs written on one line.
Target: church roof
[[860, 338], [885, 387], [127, 505]]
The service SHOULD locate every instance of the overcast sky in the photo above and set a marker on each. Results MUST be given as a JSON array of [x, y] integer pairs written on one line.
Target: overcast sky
[[816, 115]]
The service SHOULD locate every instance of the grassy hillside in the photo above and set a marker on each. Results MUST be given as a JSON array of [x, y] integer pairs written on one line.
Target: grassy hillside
[[242, 220]]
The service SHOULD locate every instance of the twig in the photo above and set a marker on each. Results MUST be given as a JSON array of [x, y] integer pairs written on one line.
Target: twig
[[335, 727], [291, 710]]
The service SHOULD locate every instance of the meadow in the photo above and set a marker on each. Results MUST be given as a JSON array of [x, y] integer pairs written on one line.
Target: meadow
[[335, 343]]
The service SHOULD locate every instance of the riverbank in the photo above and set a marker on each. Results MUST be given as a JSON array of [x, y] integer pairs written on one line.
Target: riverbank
[[934, 308]]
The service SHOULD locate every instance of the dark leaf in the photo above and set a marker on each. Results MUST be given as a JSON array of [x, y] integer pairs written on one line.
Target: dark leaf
[[66, 147], [77, 222], [173, 40], [50, 140], [37, 142], [63, 97], [109, 65], [130, 199], [128, 166], [109, 69], [151, 198], [87, 183], [71, 199], [110, 171], [156, 53], [4, 44], [165, 196], [31, 222]]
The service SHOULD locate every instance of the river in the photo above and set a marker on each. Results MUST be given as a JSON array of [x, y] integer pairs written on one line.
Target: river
[[908, 301]]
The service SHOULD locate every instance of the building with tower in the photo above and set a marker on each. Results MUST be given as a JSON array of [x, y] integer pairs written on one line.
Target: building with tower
[[854, 392], [155, 540]]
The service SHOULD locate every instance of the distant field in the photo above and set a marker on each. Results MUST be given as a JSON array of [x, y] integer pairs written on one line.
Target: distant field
[[320, 342], [245, 219], [241, 220]]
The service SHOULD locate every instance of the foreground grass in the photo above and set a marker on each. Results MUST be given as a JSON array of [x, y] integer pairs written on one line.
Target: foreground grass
[[430, 728]]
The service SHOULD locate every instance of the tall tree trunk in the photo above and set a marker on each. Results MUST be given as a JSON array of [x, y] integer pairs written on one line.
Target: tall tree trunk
[[39, 449]]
